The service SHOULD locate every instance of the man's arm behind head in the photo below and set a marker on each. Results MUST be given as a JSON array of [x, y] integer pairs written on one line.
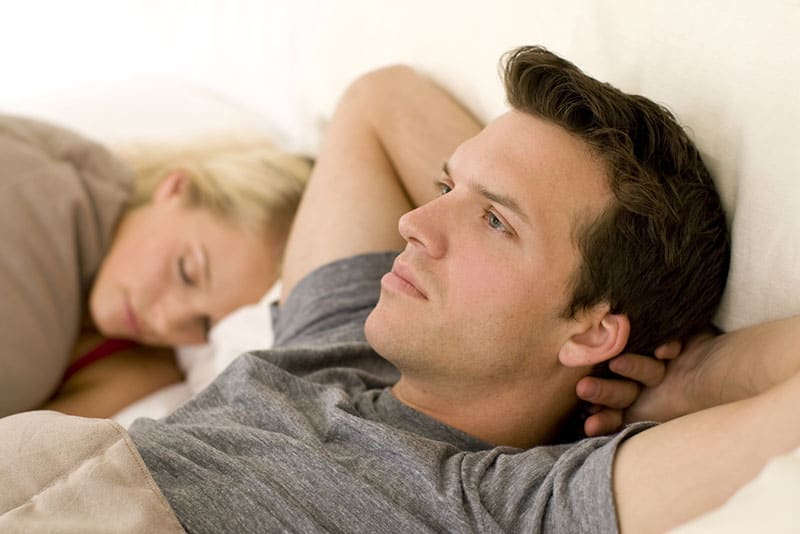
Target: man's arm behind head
[[382, 152]]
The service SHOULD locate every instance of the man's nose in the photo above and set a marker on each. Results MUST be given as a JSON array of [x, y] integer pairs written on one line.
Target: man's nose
[[425, 227]]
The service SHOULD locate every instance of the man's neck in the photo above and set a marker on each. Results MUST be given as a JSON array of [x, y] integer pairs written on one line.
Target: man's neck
[[522, 415]]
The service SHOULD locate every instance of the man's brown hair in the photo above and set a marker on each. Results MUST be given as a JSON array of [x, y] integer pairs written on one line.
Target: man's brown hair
[[659, 253]]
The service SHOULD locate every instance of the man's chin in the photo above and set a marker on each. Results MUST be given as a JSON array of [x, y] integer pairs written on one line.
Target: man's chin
[[393, 330], [371, 329], [380, 330]]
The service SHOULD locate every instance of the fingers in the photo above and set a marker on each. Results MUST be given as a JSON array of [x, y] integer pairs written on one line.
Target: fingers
[[669, 350], [643, 369], [603, 422], [607, 392]]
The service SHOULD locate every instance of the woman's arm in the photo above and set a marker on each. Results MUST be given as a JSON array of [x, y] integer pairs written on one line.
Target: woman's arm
[[109, 385]]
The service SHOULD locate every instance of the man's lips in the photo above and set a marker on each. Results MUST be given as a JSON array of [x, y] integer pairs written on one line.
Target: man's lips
[[403, 278]]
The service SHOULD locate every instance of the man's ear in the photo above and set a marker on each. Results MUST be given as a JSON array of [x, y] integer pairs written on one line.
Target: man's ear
[[172, 185], [603, 339]]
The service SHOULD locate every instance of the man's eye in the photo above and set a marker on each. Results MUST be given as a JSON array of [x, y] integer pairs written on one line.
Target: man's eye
[[188, 280], [494, 222]]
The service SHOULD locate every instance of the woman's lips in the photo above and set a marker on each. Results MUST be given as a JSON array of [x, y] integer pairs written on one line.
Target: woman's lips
[[131, 320]]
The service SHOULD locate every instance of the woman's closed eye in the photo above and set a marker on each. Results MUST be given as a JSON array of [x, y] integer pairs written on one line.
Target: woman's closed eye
[[185, 272]]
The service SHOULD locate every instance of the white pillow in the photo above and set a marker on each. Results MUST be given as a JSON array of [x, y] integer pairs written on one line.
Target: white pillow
[[248, 328], [766, 504]]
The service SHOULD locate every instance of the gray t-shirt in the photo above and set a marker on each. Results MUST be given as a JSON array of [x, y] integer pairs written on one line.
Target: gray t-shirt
[[308, 437]]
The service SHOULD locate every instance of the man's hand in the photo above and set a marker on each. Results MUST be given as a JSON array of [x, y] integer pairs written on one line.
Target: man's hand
[[610, 397], [711, 370], [672, 397]]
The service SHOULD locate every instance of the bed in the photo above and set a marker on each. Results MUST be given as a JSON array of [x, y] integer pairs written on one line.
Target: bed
[[177, 70]]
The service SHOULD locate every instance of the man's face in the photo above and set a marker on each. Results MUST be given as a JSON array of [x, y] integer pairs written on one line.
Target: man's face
[[476, 296]]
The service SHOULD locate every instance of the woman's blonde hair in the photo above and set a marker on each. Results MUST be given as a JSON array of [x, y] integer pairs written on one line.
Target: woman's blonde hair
[[252, 184]]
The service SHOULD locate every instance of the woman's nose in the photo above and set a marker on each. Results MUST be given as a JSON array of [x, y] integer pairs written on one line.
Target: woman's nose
[[162, 319], [172, 322]]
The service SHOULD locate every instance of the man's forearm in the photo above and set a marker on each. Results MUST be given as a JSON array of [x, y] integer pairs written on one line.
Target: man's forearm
[[715, 370], [746, 362], [389, 135], [418, 124], [685, 467]]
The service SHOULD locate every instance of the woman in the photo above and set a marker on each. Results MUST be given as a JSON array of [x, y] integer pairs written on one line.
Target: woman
[[103, 261]]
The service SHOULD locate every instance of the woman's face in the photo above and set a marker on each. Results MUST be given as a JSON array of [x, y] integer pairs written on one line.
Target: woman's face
[[173, 272]]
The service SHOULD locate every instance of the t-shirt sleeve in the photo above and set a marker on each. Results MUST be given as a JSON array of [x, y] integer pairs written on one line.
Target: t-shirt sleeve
[[559, 488]]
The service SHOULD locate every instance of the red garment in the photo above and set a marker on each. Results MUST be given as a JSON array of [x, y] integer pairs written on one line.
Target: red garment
[[104, 349]]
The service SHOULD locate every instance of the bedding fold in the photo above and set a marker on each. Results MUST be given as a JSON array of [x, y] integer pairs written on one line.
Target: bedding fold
[[62, 473]]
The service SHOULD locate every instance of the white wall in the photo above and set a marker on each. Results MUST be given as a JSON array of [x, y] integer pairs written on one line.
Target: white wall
[[52, 51]]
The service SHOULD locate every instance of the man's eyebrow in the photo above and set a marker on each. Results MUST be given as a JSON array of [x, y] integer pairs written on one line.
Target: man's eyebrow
[[503, 200]]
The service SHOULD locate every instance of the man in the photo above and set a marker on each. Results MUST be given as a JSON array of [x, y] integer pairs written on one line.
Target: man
[[488, 322], [476, 314]]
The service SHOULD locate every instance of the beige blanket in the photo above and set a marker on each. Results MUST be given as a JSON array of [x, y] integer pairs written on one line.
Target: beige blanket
[[62, 474], [65, 474]]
